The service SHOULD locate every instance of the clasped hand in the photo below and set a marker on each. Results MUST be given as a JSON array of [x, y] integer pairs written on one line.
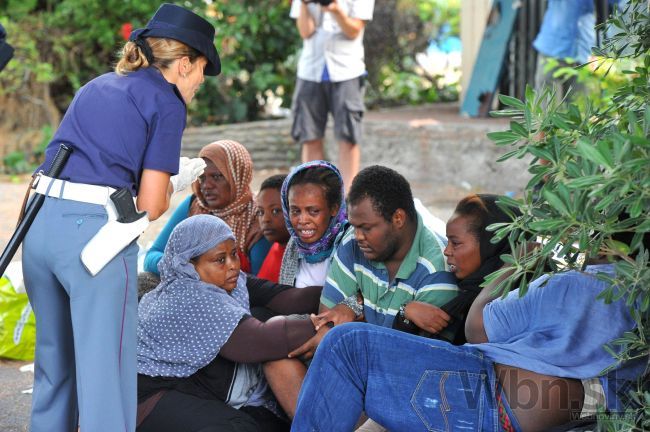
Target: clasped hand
[[339, 314]]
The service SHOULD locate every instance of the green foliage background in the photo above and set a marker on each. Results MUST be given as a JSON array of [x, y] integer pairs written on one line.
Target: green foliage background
[[62, 44], [401, 28], [66, 43]]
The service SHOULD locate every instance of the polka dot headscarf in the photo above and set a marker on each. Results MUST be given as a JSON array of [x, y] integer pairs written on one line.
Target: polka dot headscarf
[[184, 322]]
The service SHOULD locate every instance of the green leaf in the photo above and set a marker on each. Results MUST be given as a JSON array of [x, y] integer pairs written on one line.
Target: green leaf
[[619, 246], [505, 202], [530, 92], [605, 202], [518, 129], [503, 137], [506, 113], [541, 153], [555, 201], [590, 152], [547, 225], [511, 101], [559, 122]]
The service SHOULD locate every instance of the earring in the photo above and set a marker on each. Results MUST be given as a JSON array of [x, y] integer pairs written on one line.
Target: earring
[[184, 75]]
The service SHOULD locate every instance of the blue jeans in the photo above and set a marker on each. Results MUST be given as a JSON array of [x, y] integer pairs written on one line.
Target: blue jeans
[[404, 382]]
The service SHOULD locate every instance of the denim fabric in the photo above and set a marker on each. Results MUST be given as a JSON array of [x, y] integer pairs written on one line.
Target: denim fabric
[[567, 30], [404, 382]]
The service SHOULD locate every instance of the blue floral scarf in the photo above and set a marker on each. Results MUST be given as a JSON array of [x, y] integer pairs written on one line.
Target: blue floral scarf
[[322, 248]]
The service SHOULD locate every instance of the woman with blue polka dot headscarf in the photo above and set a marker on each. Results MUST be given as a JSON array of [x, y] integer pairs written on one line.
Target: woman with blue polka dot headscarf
[[199, 348]]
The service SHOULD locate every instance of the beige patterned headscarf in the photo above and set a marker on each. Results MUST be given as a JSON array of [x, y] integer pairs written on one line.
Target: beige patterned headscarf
[[235, 163]]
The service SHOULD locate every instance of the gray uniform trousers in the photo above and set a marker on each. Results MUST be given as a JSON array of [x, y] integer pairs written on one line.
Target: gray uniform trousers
[[85, 368]]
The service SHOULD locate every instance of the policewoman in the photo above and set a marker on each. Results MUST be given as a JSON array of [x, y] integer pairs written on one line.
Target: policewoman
[[125, 130]]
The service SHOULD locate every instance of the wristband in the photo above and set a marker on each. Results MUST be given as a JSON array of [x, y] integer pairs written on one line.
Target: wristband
[[353, 304]]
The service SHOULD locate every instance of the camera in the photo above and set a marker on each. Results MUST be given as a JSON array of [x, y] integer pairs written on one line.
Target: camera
[[321, 2]]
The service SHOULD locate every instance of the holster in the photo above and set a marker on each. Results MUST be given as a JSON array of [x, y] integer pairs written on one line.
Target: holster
[[124, 225]]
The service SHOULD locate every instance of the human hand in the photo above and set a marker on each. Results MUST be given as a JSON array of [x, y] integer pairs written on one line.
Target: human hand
[[307, 350], [332, 7], [339, 314], [426, 316], [188, 171]]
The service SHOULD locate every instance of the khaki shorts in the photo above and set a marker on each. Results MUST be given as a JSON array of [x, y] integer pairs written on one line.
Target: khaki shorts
[[313, 101]]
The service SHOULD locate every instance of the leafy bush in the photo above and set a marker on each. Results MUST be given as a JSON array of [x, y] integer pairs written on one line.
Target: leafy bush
[[410, 85], [400, 29], [68, 42], [593, 165], [596, 81], [16, 163], [26, 161], [73, 40], [257, 43], [62, 44]]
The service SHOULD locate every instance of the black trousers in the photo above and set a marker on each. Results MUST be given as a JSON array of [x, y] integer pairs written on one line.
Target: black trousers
[[181, 412]]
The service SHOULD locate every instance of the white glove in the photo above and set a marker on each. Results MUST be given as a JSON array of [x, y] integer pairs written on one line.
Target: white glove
[[188, 171]]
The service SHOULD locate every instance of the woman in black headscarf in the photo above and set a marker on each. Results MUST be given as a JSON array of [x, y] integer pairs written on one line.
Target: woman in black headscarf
[[471, 254]]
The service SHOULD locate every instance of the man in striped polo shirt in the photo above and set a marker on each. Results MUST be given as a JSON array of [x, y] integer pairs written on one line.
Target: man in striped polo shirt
[[389, 267]]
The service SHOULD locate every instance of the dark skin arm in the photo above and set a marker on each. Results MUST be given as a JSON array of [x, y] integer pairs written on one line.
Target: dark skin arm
[[282, 299], [474, 328], [296, 300], [307, 350], [339, 314], [426, 316], [254, 341]]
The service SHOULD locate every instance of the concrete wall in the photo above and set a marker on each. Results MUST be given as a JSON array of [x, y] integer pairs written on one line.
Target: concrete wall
[[444, 159], [269, 142]]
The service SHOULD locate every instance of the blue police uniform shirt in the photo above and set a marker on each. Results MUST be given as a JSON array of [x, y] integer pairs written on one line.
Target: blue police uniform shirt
[[120, 125]]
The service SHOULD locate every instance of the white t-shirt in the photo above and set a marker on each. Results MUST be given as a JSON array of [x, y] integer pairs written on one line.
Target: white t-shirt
[[312, 274], [328, 45]]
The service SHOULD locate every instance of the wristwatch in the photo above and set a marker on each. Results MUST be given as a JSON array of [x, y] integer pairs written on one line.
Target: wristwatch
[[402, 314]]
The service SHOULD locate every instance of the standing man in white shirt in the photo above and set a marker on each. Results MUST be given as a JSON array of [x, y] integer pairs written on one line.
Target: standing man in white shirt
[[331, 75]]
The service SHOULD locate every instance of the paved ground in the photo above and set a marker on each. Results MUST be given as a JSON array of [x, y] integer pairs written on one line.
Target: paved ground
[[422, 161]]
